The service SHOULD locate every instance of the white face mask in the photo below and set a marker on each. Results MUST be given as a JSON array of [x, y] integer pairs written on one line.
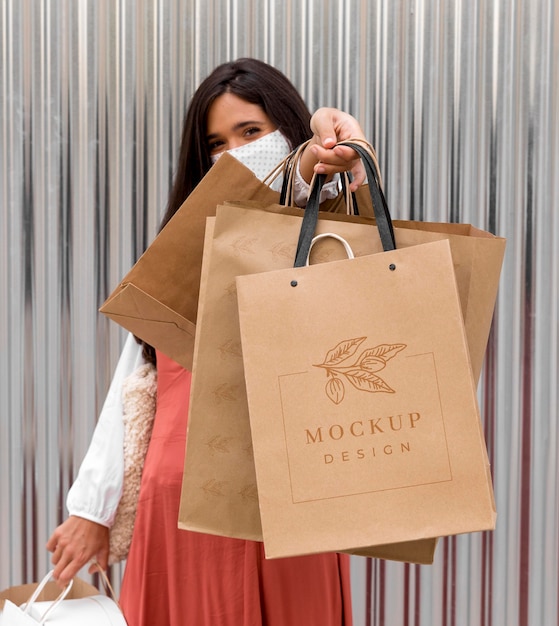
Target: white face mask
[[262, 155]]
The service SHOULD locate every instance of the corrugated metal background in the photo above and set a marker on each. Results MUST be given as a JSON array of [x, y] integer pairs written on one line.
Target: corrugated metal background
[[460, 98]]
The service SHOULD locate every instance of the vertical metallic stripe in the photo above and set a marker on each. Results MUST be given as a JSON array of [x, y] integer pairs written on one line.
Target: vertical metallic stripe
[[460, 99]]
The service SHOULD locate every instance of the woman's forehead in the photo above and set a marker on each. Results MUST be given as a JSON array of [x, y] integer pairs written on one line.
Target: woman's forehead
[[228, 110]]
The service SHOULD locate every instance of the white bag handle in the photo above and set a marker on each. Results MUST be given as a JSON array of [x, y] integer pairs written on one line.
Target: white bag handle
[[345, 244], [25, 608], [38, 590]]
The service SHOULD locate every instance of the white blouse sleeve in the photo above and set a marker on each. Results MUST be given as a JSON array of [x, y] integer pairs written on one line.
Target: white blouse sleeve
[[97, 489], [301, 189]]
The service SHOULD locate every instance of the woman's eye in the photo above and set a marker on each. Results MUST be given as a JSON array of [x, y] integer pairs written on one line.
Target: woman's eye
[[216, 146], [254, 130]]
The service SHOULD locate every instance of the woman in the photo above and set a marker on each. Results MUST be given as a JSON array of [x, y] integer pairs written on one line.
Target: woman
[[174, 576]]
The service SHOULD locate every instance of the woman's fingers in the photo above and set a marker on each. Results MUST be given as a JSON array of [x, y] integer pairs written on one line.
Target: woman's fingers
[[340, 159], [74, 543], [332, 125]]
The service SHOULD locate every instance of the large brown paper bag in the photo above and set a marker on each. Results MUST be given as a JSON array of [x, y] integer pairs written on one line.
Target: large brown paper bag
[[363, 409]]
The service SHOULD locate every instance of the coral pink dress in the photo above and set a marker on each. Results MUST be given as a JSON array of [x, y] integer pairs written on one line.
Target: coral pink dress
[[179, 578]]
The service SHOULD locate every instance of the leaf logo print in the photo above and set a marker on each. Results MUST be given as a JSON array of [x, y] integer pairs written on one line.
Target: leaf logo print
[[285, 250], [362, 373], [244, 245], [231, 348], [248, 450], [231, 289], [219, 444], [225, 393], [250, 492], [214, 487]]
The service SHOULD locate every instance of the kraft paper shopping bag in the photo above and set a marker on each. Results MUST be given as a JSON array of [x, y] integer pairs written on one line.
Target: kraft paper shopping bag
[[363, 411], [362, 403]]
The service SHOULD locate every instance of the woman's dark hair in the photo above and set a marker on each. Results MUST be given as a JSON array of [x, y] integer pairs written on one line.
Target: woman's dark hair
[[253, 81]]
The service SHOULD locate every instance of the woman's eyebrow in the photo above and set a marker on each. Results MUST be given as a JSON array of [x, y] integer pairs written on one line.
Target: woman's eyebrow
[[235, 128]]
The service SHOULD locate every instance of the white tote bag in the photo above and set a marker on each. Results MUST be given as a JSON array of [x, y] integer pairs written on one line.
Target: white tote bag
[[96, 610]]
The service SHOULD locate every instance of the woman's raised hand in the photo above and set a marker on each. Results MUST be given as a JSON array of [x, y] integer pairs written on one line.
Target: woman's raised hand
[[323, 156]]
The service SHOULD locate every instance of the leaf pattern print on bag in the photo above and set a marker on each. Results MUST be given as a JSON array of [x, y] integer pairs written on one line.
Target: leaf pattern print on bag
[[362, 374]]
